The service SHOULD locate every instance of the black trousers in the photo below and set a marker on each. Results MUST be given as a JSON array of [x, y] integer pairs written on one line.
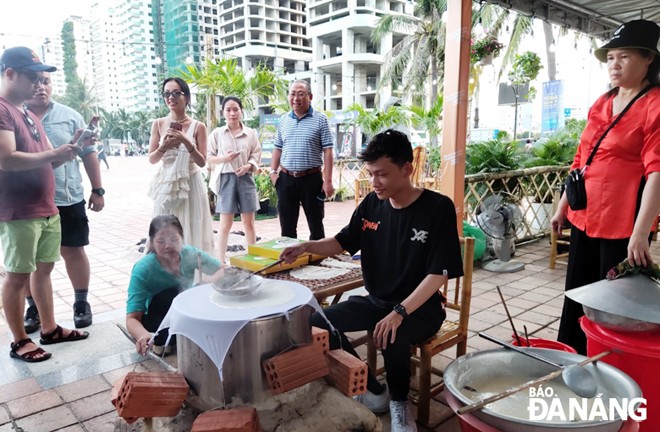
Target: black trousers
[[360, 313], [293, 192], [589, 260], [156, 311]]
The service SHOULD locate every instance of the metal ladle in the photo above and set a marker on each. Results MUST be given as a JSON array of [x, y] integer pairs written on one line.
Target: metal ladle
[[576, 378]]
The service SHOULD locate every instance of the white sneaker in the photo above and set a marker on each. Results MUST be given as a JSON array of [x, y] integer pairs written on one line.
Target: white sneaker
[[377, 403], [403, 419]]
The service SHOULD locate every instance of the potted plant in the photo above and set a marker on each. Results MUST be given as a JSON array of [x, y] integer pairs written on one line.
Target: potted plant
[[485, 49], [266, 192], [341, 193]]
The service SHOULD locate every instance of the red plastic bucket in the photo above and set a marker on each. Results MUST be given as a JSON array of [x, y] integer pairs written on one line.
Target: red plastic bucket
[[543, 343], [638, 355]]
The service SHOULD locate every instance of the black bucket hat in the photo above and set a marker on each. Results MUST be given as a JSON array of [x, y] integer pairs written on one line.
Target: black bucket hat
[[22, 58], [641, 34]]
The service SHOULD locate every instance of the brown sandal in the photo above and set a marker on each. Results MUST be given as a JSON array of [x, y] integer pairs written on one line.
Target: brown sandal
[[56, 336], [34, 356]]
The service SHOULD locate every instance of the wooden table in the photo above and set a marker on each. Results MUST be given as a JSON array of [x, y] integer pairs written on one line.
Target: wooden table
[[324, 288]]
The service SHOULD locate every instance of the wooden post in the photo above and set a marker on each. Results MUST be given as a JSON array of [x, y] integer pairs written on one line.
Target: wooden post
[[454, 124]]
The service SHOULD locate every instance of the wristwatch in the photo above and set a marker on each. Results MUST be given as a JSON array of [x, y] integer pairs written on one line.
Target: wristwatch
[[401, 310], [99, 191]]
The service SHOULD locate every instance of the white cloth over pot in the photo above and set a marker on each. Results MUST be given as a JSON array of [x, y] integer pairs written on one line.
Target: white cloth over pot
[[213, 328]]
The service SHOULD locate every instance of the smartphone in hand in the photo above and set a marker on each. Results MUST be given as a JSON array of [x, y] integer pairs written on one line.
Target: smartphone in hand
[[177, 126], [89, 131]]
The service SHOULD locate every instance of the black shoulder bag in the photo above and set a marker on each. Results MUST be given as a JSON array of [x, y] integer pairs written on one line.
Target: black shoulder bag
[[576, 192]]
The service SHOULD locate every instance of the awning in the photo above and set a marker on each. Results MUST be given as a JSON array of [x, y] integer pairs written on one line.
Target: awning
[[597, 18]]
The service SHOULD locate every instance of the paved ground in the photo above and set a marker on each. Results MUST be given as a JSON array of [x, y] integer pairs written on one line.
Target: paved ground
[[70, 392]]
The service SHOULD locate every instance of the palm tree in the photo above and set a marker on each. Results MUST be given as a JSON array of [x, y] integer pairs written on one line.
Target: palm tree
[[224, 77], [420, 55], [373, 121], [140, 127], [81, 98], [122, 127], [428, 119]]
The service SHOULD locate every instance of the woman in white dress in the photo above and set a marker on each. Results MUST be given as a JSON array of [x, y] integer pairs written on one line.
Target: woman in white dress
[[236, 151], [179, 142]]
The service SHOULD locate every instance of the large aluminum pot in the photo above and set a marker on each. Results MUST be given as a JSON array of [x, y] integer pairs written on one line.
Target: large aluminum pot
[[243, 376], [628, 304], [619, 323], [502, 365]]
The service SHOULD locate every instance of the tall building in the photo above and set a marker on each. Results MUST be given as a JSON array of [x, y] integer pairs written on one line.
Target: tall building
[[181, 33], [266, 31], [347, 65], [124, 54]]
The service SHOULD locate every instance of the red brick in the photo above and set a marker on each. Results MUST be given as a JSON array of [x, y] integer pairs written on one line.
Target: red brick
[[295, 368], [320, 336], [347, 373], [151, 394], [243, 419]]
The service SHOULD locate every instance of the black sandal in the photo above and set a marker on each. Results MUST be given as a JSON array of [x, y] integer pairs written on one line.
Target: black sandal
[[34, 356], [56, 336]]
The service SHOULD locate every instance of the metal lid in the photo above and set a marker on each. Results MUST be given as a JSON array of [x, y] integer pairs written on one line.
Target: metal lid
[[635, 296]]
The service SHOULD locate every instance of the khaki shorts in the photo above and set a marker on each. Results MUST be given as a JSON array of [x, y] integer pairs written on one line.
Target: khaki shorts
[[27, 242]]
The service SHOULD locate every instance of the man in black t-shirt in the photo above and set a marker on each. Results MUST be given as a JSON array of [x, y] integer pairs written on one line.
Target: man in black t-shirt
[[410, 248]]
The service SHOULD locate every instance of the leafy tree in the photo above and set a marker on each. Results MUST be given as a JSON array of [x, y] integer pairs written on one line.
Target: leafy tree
[[70, 66]]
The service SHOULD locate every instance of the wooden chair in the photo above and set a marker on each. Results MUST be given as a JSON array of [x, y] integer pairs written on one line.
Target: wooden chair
[[557, 240], [419, 166], [362, 185], [458, 292]]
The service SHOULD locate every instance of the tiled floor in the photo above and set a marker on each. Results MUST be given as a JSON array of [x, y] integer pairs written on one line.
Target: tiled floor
[[70, 392]]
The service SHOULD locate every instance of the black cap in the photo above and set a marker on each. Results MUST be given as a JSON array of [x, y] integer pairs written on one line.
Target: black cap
[[641, 34], [22, 58]]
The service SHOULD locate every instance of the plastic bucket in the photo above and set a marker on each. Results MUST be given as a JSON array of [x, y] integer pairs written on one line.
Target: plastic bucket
[[638, 355], [543, 343]]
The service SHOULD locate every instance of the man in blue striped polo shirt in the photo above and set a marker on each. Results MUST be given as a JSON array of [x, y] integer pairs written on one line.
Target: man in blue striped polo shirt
[[301, 165]]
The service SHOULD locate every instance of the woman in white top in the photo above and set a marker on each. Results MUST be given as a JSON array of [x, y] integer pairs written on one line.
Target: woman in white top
[[236, 151], [179, 142]]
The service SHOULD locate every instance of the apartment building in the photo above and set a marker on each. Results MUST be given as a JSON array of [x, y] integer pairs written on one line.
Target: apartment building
[[124, 55], [347, 65]]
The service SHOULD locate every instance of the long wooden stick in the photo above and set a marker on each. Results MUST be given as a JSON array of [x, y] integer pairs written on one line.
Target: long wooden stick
[[506, 309], [481, 403]]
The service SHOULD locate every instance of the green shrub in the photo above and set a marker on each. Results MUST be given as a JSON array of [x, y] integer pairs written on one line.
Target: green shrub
[[491, 156]]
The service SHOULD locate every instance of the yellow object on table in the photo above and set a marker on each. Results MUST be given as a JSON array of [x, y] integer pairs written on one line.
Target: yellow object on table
[[256, 262], [273, 248]]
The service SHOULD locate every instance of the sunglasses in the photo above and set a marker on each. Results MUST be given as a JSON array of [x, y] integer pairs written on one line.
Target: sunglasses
[[35, 78], [32, 126], [175, 94]]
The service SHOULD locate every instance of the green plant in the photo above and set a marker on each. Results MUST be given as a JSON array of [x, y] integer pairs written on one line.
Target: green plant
[[491, 156], [266, 188], [488, 45], [341, 193], [525, 68], [434, 159]]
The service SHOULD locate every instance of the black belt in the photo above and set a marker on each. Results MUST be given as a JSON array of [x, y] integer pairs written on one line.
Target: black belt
[[301, 173]]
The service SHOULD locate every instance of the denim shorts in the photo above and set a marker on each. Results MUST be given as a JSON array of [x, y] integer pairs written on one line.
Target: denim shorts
[[28, 242]]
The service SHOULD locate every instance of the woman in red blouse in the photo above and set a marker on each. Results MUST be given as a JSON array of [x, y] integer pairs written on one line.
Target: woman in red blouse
[[623, 180]]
